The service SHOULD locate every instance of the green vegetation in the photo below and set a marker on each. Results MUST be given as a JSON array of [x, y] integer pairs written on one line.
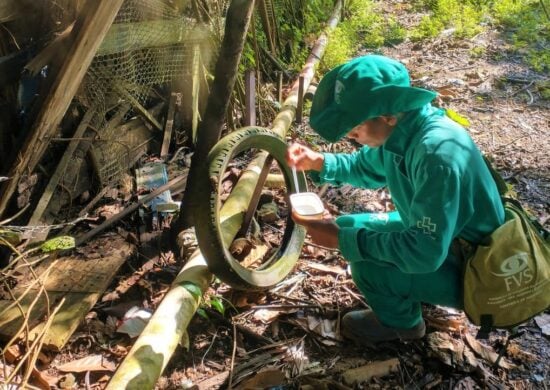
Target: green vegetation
[[464, 17], [214, 302], [524, 23], [297, 24], [363, 27], [477, 51], [544, 89], [528, 27]]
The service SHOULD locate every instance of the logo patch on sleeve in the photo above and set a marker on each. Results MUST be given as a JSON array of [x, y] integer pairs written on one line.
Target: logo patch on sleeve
[[427, 226]]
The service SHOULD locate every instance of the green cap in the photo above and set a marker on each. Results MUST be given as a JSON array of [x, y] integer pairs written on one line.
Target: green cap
[[364, 88]]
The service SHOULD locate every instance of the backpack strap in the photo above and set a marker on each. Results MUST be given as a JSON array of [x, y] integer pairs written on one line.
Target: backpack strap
[[486, 322], [504, 192], [502, 187]]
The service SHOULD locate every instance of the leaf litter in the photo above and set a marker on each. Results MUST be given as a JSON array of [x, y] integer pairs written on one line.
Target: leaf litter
[[288, 337]]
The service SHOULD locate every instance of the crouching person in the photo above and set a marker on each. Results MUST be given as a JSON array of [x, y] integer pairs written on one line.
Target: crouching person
[[438, 180]]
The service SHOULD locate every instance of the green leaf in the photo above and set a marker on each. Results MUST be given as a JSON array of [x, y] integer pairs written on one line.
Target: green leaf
[[461, 120], [58, 243], [193, 289], [202, 313], [217, 304], [10, 237]]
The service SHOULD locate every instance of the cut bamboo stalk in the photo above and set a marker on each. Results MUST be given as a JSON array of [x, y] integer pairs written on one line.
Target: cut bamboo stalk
[[255, 198], [300, 108], [283, 120], [267, 24], [236, 205], [195, 90], [90, 29], [152, 350]]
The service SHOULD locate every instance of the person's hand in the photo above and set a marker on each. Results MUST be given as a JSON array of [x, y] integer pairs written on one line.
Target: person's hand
[[303, 158], [323, 231]]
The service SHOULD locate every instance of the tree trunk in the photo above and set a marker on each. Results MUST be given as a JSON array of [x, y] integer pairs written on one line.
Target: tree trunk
[[227, 67]]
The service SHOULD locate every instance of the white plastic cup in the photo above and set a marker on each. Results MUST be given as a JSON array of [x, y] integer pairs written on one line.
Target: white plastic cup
[[307, 204]]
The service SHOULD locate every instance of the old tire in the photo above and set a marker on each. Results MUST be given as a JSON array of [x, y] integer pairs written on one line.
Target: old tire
[[207, 214]]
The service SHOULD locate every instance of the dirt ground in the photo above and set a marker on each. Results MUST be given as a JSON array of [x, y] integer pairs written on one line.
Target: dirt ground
[[288, 337]]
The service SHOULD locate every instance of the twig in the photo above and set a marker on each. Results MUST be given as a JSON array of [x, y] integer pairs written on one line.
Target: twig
[[233, 357], [92, 203], [523, 88], [291, 298], [26, 315], [355, 295], [338, 322], [278, 306], [323, 190], [36, 342], [28, 264], [531, 98], [403, 367], [41, 337], [208, 349], [508, 144], [5, 221], [296, 279], [17, 301], [244, 330]]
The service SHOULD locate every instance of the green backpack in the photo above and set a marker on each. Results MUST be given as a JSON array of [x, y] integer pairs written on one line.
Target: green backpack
[[507, 277]]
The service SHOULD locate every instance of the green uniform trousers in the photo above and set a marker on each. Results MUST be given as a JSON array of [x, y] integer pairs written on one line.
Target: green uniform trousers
[[395, 296]]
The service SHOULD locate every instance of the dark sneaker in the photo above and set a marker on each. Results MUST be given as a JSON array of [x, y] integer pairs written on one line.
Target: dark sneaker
[[364, 328]]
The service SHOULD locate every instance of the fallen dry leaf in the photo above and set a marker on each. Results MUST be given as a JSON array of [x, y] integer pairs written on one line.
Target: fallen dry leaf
[[325, 268], [266, 315], [241, 247], [486, 352], [515, 352], [543, 322], [445, 324], [451, 351], [88, 363], [371, 370], [271, 377]]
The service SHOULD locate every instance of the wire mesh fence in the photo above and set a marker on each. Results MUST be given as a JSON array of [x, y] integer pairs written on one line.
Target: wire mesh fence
[[150, 46]]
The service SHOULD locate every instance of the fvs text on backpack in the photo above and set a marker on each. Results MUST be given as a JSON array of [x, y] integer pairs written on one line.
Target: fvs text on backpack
[[507, 279]]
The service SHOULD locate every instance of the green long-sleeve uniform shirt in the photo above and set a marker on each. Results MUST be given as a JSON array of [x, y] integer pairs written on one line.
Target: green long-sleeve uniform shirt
[[440, 186]]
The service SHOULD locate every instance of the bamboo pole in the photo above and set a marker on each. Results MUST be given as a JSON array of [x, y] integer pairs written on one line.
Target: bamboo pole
[[283, 120], [152, 350]]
